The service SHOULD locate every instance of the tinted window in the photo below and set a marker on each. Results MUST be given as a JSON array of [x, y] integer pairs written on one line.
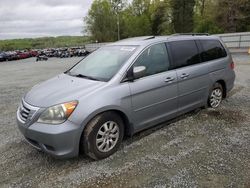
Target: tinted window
[[155, 59], [184, 53], [212, 49]]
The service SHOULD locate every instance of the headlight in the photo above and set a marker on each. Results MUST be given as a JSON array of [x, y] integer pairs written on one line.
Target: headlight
[[57, 114]]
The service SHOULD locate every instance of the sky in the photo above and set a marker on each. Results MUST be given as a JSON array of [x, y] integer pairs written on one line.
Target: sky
[[39, 18]]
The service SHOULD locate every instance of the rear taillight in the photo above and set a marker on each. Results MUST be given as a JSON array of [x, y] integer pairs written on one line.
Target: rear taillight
[[232, 65]]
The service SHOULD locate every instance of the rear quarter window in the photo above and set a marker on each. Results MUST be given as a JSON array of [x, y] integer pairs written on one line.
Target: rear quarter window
[[184, 53], [212, 49]]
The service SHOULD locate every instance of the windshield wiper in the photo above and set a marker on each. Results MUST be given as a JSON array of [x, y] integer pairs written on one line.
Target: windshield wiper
[[85, 76]]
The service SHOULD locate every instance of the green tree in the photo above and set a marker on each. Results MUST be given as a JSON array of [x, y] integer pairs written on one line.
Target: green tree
[[101, 21], [204, 17], [161, 17], [137, 19], [244, 17], [233, 15], [183, 11], [107, 20]]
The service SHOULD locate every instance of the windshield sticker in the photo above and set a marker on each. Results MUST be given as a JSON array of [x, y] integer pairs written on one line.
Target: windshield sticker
[[130, 49]]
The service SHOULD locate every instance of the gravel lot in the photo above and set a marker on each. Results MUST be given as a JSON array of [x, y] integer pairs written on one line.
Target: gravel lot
[[204, 148]]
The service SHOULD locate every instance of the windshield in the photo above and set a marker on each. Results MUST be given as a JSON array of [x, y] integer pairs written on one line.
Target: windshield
[[104, 63]]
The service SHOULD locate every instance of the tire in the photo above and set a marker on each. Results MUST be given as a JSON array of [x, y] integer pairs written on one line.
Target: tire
[[215, 96], [100, 131]]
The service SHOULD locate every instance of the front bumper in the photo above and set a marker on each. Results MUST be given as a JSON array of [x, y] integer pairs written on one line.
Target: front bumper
[[61, 141]]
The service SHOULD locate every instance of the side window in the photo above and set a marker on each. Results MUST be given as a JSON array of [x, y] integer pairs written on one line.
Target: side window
[[184, 53], [212, 49], [155, 59]]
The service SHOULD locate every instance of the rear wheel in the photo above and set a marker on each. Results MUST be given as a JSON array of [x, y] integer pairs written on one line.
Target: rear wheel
[[215, 96], [103, 135]]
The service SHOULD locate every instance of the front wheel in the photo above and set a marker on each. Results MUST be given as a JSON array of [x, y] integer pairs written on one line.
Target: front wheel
[[103, 135], [215, 96]]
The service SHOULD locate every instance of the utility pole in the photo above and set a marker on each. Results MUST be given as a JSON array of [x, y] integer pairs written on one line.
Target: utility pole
[[117, 7], [118, 25]]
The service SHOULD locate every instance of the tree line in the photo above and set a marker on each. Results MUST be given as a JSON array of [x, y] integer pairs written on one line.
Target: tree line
[[44, 42], [110, 20]]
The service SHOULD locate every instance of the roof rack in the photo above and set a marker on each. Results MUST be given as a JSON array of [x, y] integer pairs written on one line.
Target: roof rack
[[192, 34], [149, 37]]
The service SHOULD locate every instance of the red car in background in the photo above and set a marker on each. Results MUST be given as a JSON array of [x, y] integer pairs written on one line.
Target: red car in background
[[23, 54], [33, 53]]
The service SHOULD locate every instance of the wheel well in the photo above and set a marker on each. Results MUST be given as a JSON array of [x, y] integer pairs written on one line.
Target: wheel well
[[127, 128], [223, 84]]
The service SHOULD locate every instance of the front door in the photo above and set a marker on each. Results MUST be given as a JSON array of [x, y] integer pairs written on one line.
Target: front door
[[154, 96]]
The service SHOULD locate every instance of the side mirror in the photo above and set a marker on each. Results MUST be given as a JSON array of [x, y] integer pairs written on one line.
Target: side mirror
[[135, 73], [139, 72]]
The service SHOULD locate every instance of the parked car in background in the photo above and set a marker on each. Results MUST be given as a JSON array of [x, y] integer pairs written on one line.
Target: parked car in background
[[2, 56], [41, 58], [48, 52], [11, 55], [23, 54], [81, 52], [65, 54], [33, 53]]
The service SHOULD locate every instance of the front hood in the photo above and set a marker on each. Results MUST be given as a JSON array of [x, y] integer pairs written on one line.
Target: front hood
[[60, 89]]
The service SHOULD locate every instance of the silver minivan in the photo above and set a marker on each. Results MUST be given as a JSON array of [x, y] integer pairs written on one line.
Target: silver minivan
[[123, 88]]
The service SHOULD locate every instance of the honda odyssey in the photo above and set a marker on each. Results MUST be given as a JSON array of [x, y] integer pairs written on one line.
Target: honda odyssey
[[123, 88]]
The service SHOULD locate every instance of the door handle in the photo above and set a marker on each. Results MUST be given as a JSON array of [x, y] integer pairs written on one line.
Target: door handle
[[169, 79], [184, 75]]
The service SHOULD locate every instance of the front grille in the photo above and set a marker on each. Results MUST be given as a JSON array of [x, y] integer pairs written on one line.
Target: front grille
[[26, 112]]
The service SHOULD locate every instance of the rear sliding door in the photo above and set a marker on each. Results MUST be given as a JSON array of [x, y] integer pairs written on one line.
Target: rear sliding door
[[192, 75]]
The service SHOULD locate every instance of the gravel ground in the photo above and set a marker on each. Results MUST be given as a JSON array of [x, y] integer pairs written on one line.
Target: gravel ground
[[204, 148]]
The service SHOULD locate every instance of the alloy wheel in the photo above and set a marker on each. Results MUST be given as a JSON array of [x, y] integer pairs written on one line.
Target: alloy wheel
[[216, 97], [107, 136]]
